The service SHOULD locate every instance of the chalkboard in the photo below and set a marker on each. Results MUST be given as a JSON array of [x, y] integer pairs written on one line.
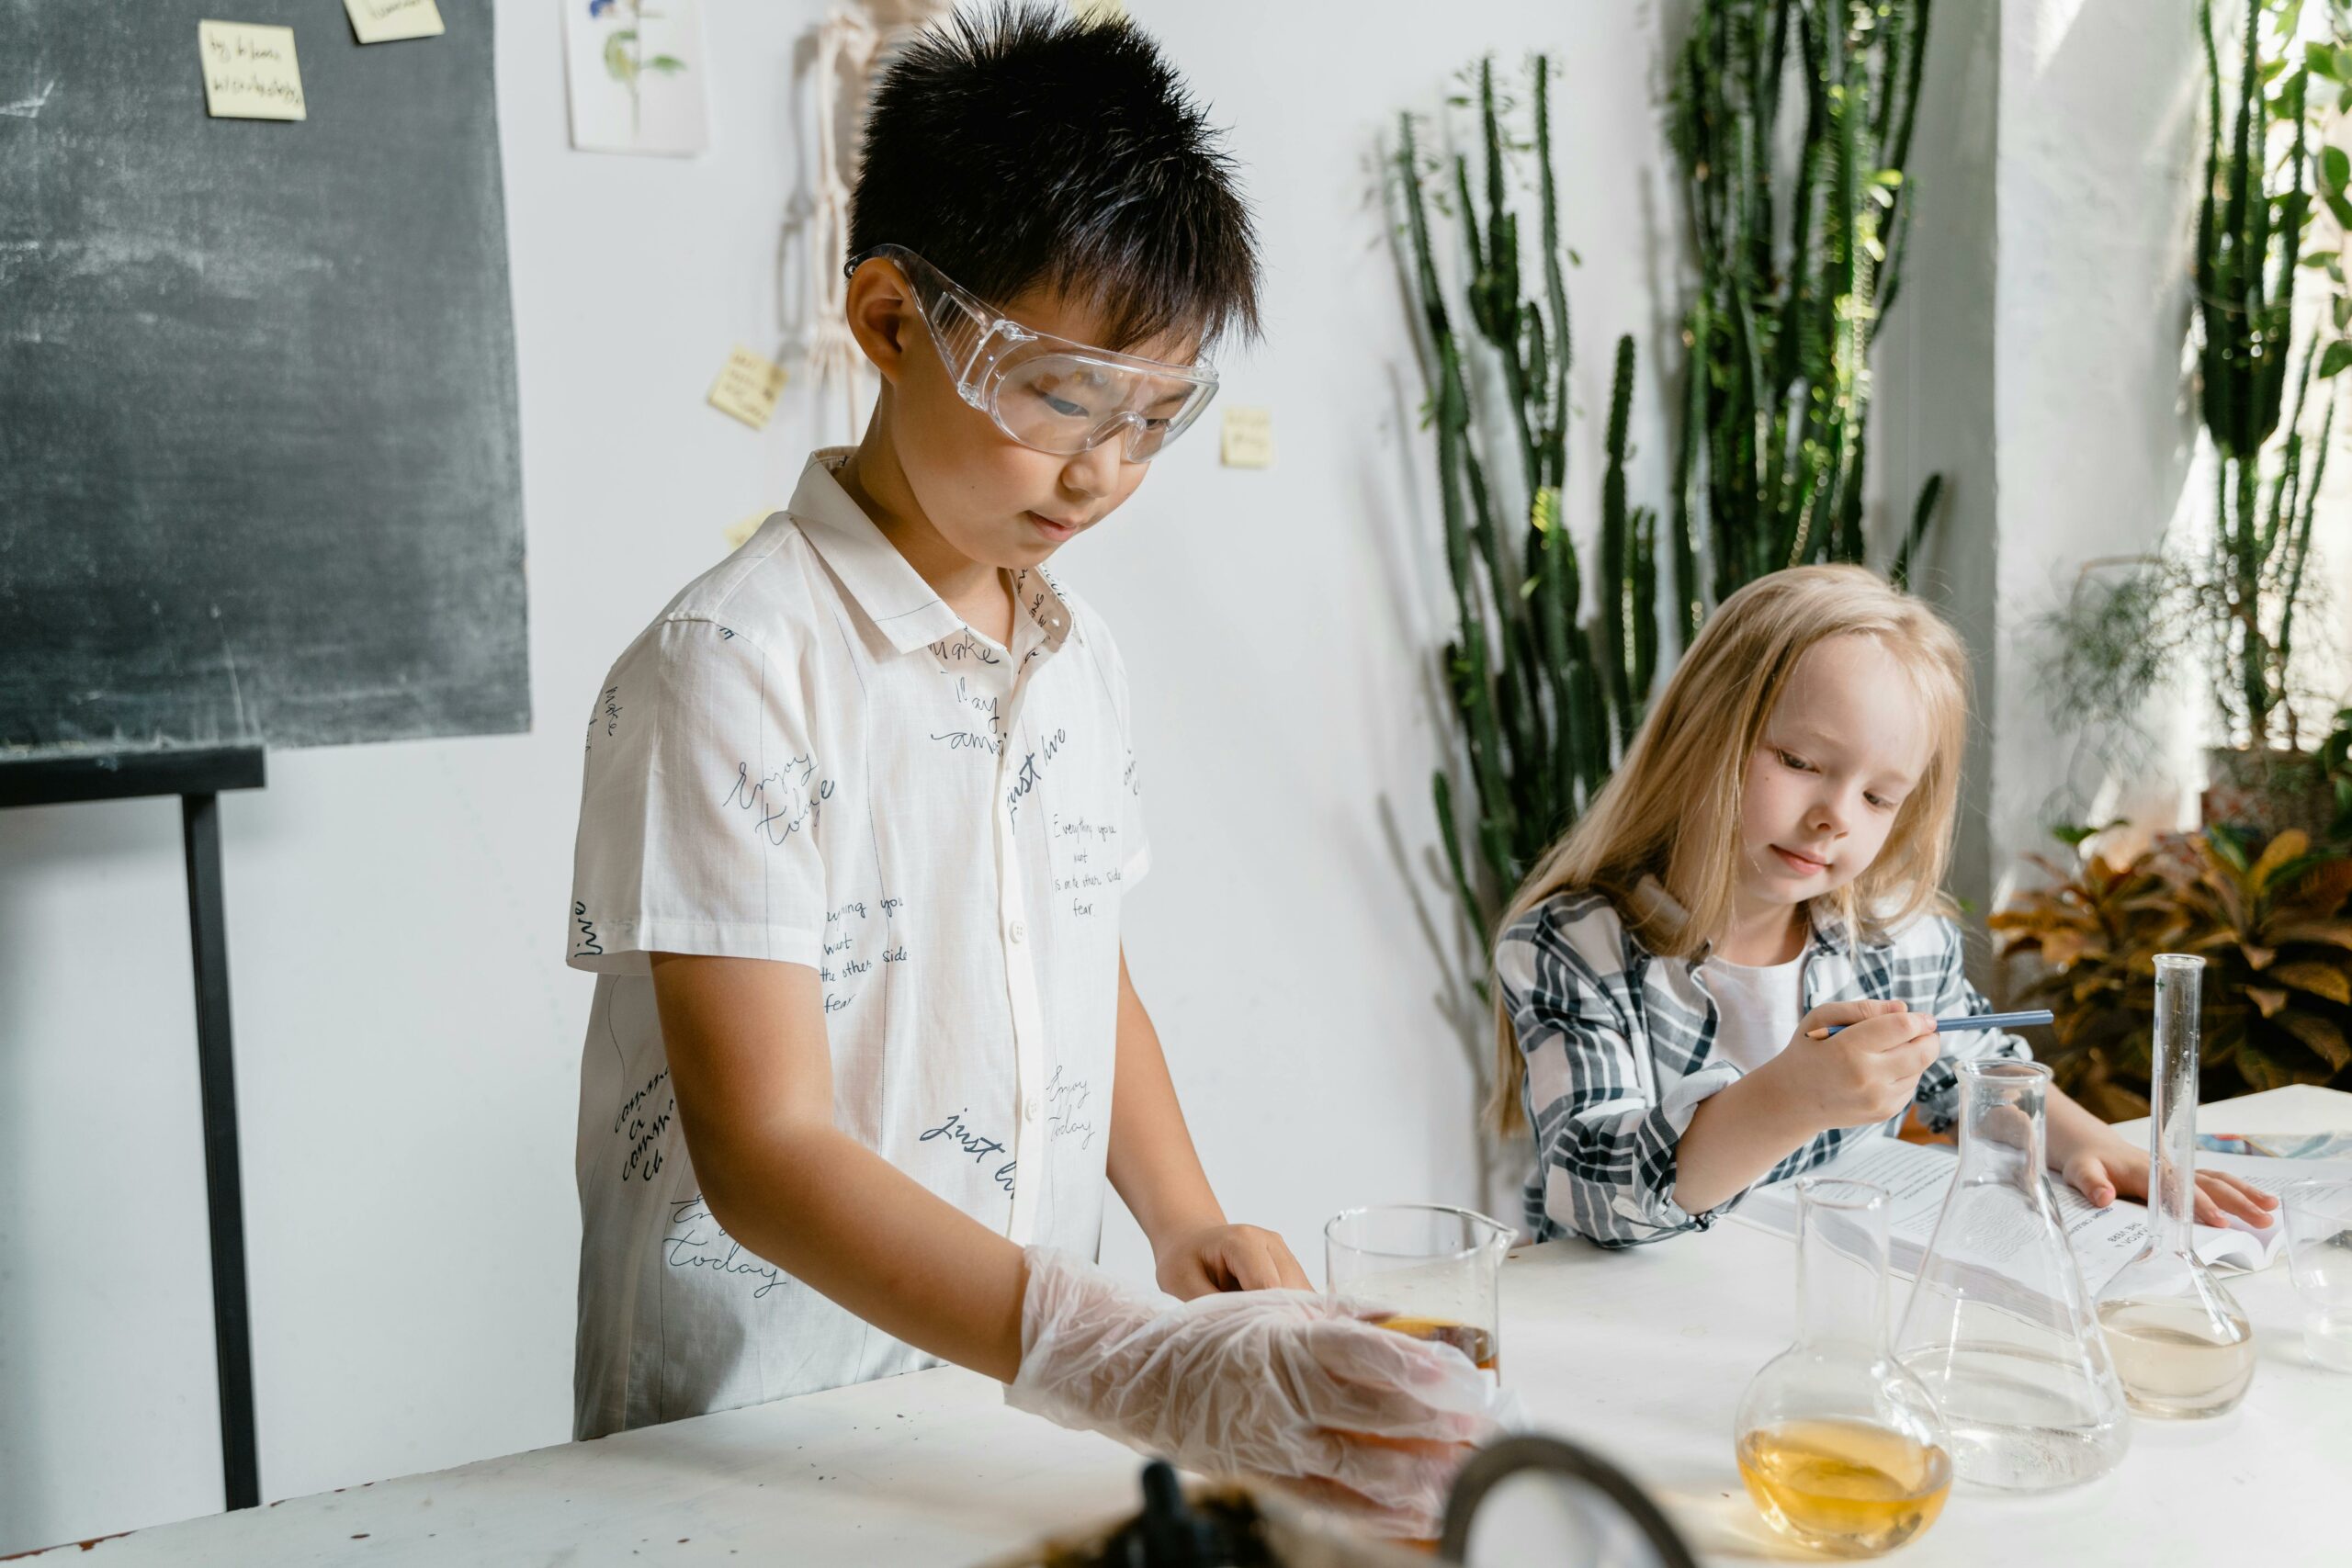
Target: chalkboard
[[258, 476]]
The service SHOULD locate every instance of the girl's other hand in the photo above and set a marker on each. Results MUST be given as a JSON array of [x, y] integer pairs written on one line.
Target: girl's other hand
[[2115, 1169]]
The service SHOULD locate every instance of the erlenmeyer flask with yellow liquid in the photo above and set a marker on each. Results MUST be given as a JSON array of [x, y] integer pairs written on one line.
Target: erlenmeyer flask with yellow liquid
[[1842, 1449]]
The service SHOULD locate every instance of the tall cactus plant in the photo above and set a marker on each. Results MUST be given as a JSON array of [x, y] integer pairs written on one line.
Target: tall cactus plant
[[2250, 224], [1798, 262], [1545, 698]]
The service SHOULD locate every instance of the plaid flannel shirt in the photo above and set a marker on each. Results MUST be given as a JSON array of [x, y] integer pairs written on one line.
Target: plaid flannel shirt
[[1620, 1049]]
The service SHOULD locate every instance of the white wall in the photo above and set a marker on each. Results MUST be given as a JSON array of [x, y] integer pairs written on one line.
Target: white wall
[[2096, 428], [406, 1034], [1935, 385]]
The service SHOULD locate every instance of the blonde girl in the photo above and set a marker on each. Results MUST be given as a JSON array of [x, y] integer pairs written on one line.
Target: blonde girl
[[1768, 862]]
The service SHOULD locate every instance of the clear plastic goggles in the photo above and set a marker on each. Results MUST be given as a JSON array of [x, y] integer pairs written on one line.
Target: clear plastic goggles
[[1049, 392]]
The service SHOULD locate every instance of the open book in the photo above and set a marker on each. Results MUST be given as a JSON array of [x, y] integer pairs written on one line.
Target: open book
[[1917, 1177]]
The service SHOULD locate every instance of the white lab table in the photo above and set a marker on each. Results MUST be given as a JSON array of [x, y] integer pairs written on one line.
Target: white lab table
[[1640, 1354]]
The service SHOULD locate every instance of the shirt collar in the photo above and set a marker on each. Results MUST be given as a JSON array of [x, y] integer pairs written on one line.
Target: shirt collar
[[894, 596], [1039, 598]]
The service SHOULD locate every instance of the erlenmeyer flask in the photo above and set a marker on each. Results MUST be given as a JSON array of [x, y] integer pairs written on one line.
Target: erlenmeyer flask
[[2180, 1344], [1999, 1326], [1840, 1446]]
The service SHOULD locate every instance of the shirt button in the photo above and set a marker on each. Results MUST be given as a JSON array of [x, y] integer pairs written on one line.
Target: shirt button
[[1029, 1112], [1019, 933]]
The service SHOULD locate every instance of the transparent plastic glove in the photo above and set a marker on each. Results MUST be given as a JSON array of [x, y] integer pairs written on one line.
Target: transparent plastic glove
[[1282, 1384]]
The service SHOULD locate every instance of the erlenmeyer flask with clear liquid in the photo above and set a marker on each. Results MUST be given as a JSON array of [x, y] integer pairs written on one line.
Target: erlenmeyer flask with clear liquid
[[1840, 1446], [2181, 1345], [2000, 1327]]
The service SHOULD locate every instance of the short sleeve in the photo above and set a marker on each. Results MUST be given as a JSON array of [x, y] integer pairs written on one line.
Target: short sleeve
[[699, 804]]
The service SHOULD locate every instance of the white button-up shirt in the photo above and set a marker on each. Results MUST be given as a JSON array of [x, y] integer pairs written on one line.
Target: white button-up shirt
[[807, 757]]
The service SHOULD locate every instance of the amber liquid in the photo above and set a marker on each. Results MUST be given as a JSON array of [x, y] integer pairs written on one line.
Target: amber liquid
[[1844, 1487], [1472, 1341]]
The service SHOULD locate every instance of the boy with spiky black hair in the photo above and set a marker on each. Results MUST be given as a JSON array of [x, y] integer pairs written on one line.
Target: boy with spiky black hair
[[861, 807]]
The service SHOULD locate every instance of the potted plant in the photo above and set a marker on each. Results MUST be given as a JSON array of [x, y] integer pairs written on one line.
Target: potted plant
[[2271, 920], [2261, 188], [2234, 606]]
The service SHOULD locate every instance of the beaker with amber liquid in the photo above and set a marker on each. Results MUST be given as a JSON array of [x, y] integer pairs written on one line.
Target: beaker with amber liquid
[[1424, 1269]]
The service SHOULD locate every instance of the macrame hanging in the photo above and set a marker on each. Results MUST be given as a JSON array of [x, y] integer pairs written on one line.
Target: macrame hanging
[[851, 45]]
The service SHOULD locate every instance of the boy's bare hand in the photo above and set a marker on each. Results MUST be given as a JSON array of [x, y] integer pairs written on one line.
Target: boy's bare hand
[[1227, 1258], [1868, 1071]]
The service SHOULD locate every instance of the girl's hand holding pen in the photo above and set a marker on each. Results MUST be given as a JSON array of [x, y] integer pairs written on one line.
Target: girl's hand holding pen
[[1854, 1063]]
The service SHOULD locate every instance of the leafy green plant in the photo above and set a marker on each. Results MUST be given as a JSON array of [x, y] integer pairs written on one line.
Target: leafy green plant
[[2251, 219], [1545, 700], [2328, 102], [1798, 267], [2112, 641], [2269, 175], [2271, 923]]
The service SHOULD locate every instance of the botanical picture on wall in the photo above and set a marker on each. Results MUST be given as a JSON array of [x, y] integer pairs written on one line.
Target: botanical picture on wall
[[636, 69]]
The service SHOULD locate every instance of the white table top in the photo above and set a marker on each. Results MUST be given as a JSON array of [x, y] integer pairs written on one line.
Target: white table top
[[1639, 1354]]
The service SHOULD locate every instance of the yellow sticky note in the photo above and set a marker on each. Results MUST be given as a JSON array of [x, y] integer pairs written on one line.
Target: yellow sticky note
[[249, 71], [1099, 10], [747, 387], [1248, 439], [743, 528], [389, 21]]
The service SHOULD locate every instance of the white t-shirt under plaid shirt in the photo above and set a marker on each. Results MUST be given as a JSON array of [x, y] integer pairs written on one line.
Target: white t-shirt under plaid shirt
[[807, 757], [1620, 1048]]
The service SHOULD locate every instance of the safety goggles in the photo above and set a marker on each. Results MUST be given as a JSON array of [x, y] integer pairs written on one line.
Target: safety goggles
[[1047, 392]]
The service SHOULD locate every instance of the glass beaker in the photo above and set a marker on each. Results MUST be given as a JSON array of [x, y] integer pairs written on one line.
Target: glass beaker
[[1425, 1269], [1840, 1444], [1999, 1326], [2318, 1216], [2181, 1346]]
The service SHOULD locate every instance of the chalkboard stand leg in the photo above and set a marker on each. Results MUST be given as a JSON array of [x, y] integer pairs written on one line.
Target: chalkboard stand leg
[[198, 777], [231, 1322]]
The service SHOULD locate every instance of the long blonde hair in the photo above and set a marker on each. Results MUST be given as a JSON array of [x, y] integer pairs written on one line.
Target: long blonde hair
[[1672, 808]]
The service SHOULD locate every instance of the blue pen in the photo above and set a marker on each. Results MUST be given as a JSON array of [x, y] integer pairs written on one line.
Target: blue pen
[[1972, 1021]]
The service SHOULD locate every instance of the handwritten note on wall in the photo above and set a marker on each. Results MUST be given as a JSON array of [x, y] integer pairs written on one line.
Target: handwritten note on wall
[[1248, 439], [390, 21], [249, 71], [747, 387]]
